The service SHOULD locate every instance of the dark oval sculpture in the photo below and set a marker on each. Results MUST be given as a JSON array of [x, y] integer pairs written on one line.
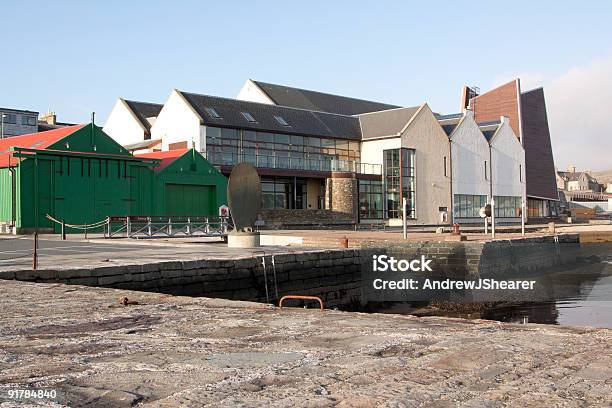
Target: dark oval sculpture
[[244, 196]]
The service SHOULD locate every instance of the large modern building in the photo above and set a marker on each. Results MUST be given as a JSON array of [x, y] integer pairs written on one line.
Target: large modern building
[[526, 112], [329, 159]]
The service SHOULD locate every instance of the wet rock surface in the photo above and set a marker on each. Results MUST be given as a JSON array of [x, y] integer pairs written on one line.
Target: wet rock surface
[[168, 351]]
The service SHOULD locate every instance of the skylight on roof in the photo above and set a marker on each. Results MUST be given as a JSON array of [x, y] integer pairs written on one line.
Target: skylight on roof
[[213, 113], [282, 121], [249, 117]]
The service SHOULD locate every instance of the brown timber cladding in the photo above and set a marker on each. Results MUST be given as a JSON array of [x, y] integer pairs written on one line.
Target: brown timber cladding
[[501, 101]]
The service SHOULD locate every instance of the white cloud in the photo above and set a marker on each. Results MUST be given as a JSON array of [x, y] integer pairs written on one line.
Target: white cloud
[[579, 115]]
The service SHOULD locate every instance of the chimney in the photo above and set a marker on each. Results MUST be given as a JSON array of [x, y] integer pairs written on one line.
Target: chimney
[[571, 169], [50, 118]]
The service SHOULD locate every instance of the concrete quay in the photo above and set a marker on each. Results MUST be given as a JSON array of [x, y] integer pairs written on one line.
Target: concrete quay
[[167, 351]]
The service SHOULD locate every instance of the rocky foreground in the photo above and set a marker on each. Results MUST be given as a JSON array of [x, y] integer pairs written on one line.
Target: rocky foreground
[[178, 351]]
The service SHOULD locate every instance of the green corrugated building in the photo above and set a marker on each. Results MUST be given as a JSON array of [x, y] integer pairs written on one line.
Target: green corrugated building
[[186, 184], [80, 175]]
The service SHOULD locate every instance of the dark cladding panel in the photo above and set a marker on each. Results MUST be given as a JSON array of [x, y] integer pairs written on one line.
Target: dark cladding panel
[[539, 162]]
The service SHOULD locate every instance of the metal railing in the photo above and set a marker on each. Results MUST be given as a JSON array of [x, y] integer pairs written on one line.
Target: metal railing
[[166, 226], [293, 163]]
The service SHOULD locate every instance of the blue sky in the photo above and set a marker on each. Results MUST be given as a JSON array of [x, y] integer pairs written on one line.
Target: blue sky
[[77, 57]]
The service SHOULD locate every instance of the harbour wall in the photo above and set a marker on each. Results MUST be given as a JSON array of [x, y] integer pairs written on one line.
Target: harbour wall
[[332, 274]]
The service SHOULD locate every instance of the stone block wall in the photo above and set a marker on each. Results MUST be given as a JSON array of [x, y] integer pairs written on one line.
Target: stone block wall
[[333, 275]]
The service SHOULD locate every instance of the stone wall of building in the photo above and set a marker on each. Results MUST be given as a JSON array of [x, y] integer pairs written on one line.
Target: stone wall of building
[[282, 218], [342, 194]]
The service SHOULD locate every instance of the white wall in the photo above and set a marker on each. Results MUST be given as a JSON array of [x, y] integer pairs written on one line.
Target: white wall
[[122, 126], [177, 122], [469, 151], [508, 160], [251, 92], [372, 151]]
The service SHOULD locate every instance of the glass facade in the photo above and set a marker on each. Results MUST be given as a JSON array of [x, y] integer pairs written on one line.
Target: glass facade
[[370, 199], [283, 193], [537, 208], [399, 182], [468, 206], [279, 150], [507, 206]]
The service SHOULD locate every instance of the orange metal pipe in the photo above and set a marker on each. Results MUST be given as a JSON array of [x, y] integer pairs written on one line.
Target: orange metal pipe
[[280, 303]]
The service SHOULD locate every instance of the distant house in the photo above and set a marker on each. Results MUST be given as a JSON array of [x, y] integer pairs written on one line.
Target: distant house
[[129, 123], [15, 122], [582, 181]]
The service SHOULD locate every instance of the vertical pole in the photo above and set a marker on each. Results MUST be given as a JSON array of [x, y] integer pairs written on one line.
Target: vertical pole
[[486, 220], [2, 125], [404, 217], [492, 218], [63, 230], [128, 227], [85, 231], [523, 217], [35, 254]]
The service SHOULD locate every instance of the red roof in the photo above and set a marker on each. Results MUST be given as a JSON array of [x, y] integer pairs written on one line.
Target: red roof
[[167, 157], [40, 140]]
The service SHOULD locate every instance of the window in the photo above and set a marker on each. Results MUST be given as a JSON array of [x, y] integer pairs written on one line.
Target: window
[[28, 120], [370, 199], [248, 117], [507, 206], [9, 118], [283, 193], [282, 121], [212, 113], [445, 174], [468, 206], [399, 182]]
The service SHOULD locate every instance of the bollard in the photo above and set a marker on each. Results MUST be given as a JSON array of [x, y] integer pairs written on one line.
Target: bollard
[[35, 254], [456, 229], [344, 242], [551, 227]]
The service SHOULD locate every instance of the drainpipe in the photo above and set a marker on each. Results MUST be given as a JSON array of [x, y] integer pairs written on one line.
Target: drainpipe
[[450, 172], [13, 174]]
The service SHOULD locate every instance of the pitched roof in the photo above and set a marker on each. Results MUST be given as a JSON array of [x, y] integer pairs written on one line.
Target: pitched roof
[[40, 140], [319, 101], [488, 129], [142, 145], [386, 123], [144, 110], [449, 122], [166, 157], [300, 121]]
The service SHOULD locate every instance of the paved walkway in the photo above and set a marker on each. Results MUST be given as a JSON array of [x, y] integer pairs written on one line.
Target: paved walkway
[[170, 351]]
